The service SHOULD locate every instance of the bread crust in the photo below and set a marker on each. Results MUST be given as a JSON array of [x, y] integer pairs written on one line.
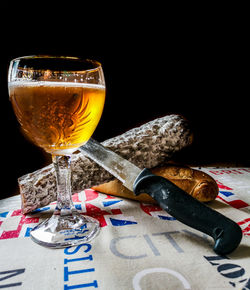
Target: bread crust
[[195, 182], [146, 146]]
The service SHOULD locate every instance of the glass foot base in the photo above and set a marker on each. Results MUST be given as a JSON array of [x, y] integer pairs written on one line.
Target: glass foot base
[[65, 231]]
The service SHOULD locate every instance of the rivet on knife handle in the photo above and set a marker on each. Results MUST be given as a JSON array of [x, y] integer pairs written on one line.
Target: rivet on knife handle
[[225, 232]]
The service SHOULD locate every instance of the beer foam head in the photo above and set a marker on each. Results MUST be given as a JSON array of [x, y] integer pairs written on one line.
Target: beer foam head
[[54, 84]]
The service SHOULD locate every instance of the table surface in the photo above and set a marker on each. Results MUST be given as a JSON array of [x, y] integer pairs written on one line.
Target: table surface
[[139, 246]]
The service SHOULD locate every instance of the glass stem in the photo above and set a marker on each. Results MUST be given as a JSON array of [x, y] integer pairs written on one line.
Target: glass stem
[[64, 204]]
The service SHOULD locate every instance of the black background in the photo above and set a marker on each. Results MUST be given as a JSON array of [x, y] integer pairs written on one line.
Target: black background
[[153, 66]]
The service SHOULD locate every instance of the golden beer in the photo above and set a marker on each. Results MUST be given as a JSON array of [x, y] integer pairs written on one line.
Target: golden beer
[[58, 100], [57, 116]]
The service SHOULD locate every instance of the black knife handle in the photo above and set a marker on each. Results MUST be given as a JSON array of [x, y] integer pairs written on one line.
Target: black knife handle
[[188, 210]]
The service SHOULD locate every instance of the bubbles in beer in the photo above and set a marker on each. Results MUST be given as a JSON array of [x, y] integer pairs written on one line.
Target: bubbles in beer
[[57, 115]]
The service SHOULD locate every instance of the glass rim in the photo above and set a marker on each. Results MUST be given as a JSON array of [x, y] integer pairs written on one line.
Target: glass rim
[[96, 64]]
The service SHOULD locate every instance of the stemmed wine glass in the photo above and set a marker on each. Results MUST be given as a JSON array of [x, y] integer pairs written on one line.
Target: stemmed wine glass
[[58, 101]]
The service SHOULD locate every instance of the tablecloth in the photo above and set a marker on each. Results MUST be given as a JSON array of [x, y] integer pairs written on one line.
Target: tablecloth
[[139, 245]]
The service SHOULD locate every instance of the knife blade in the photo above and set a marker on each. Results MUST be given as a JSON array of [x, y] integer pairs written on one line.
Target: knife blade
[[226, 233]]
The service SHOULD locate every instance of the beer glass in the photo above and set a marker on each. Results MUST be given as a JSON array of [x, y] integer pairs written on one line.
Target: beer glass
[[58, 102]]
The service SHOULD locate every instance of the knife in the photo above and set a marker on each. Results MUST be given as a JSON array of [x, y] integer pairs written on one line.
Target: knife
[[179, 204]]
